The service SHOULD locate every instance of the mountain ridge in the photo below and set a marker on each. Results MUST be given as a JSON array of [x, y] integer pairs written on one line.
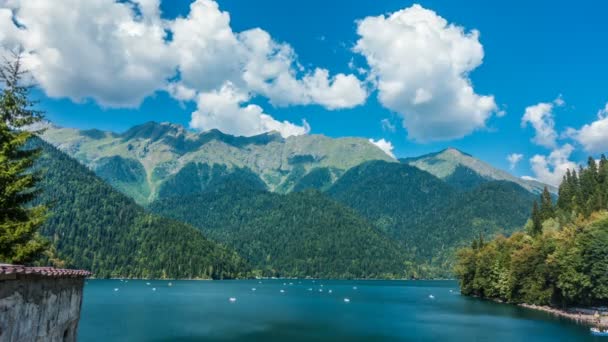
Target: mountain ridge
[[154, 152], [445, 163]]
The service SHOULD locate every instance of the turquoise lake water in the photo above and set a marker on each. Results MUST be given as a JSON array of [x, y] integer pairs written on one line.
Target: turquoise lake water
[[377, 311]]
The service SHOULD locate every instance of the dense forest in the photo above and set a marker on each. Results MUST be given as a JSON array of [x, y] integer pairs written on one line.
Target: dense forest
[[295, 235], [560, 259], [93, 226], [427, 216]]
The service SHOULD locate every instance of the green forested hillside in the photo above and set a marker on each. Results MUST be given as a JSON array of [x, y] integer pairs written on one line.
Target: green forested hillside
[[427, 216], [94, 227], [298, 234], [560, 259]]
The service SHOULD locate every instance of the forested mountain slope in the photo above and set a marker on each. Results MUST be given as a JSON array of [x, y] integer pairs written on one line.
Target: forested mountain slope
[[95, 227], [430, 218], [297, 235]]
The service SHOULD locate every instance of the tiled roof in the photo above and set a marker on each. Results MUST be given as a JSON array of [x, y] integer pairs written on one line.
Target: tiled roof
[[52, 272]]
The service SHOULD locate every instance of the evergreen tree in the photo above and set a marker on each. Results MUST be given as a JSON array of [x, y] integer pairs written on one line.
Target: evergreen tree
[[19, 223], [564, 199], [546, 205], [537, 221]]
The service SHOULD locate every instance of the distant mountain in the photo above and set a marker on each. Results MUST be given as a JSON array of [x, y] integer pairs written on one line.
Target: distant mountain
[[150, 160], [429, 217], [294, 235], [464, 171], [309, 205], [94, 227]]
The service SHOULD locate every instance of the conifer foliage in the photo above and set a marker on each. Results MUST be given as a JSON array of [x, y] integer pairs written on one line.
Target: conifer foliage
[[19, 223]]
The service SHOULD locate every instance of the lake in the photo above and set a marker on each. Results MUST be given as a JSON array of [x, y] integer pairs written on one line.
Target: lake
[[307, 310]]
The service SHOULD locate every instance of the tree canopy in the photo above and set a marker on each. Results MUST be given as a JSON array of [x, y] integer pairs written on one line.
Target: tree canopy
[[20, 242], [560, 259]]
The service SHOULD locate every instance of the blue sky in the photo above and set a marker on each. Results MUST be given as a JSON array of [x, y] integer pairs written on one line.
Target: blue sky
[[533, 52]]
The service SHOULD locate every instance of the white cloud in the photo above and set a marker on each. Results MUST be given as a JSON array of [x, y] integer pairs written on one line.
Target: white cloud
[[208, 52], [513, 159], [384, 145], [388, 126], [550, 169], [540, 116], [225, 109], [94, 49], [117, 53], [593, 136], [271, 70], [420, 64], [180, 92]]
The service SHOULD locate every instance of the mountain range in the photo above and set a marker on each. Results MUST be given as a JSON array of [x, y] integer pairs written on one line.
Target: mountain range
[[300, 206], [150, 160]]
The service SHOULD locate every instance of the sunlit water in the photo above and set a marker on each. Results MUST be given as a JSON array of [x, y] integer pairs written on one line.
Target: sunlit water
[[115, 310]]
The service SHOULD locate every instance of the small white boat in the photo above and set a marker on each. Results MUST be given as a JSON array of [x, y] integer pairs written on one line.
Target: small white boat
[[170, 284], [154, 289], [232, 299], [282, 291], [598, 332], [320, 290], [431, 296], [253, 289], [310, 289], [115, 289], [329, 291], [354, 287], [346, 300], [148, 284]]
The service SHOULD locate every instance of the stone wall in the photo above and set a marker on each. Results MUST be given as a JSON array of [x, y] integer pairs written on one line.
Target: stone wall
[[39, 308]]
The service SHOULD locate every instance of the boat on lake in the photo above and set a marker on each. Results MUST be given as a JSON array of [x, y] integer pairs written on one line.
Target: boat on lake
[[598, 332]]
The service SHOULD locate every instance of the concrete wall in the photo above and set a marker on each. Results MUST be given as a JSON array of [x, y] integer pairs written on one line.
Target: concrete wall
[[38, 308]]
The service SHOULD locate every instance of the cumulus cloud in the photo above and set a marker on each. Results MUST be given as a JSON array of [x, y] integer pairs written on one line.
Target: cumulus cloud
[[540, 117], [514, 159], [593, 136], [226, 109], [125, 52], [384, 145], [271, 70], [94, 49], [550, 169], [420, 64]]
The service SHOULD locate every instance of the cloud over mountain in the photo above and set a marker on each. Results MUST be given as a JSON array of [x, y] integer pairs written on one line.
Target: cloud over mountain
[[384, 145], [593, 136], [420, 64]]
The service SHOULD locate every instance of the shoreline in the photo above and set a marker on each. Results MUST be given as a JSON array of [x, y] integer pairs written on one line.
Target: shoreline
[[579, 317], [270, 278]]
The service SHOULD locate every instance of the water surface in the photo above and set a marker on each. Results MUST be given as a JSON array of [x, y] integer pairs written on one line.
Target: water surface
[[307, 311]]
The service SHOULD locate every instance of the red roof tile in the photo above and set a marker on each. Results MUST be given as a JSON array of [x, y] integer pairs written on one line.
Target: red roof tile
[[43, 271]]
